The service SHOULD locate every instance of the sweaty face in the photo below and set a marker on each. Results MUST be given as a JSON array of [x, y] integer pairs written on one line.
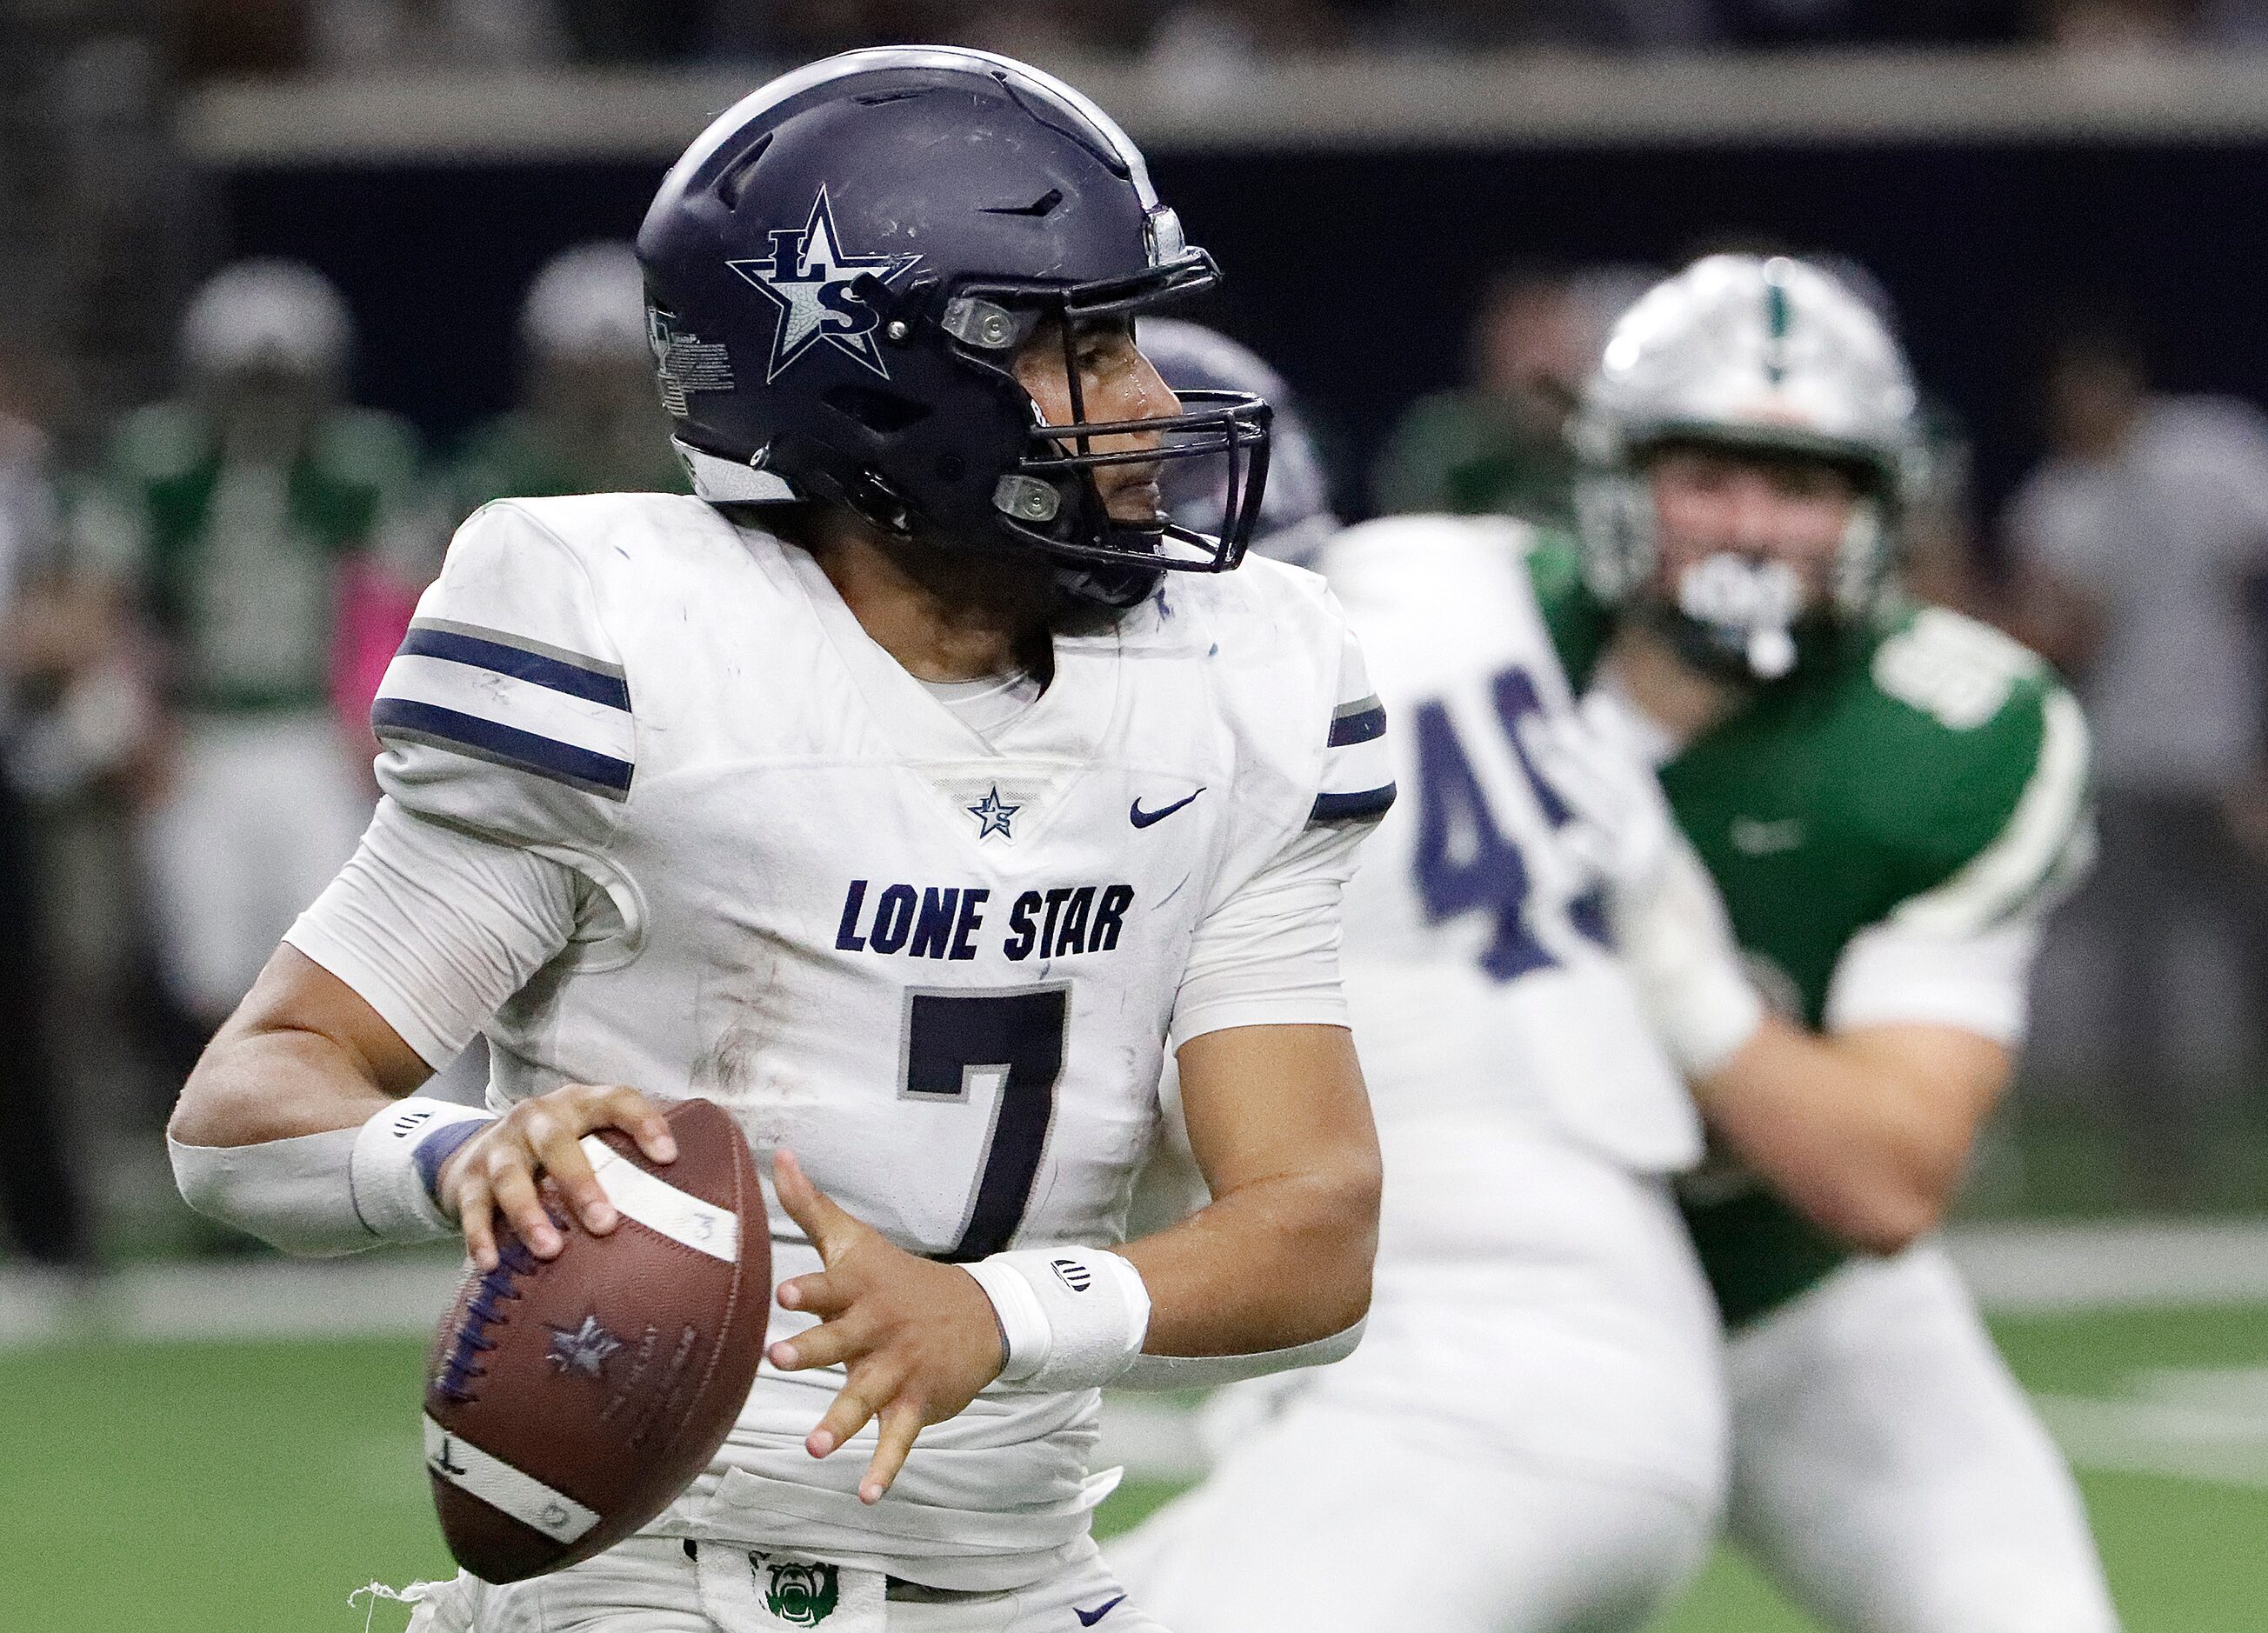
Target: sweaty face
[[1768, 507], [1115, 383]]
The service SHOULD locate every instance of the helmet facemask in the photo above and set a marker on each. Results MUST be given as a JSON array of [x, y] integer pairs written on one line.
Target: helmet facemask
[[1047, 498], [1733, 612]]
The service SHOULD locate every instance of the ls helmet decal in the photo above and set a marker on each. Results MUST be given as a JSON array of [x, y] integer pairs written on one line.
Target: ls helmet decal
[[816, 286]]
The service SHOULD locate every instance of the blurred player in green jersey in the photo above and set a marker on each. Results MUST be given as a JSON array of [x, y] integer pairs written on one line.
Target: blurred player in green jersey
[[239, 512], [1888, 797], [588, 420]]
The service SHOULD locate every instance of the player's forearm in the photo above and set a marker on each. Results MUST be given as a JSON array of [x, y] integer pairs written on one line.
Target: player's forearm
[[1864, 1145], [1273, 1264], [279, 1131]]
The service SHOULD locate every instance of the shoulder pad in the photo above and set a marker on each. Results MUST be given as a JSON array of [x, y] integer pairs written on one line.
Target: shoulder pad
[[1307, 683], [1404, 539]]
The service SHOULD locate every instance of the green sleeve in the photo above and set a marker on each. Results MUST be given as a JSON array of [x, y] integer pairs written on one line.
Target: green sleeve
[[1985, 785]]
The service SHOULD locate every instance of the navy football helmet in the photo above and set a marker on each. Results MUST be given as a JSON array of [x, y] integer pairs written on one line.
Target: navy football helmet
[[839, 274], [1295, 512]]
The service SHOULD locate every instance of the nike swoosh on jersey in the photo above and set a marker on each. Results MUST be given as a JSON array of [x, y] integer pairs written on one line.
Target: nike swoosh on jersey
[[1088, 1618], [1140, 818], [1755, 838]]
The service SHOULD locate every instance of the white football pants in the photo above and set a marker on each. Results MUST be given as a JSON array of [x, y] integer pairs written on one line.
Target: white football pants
[[1346, 1519], [261, 812], [1888, 1473], [651, 1584], [1531, 1436]]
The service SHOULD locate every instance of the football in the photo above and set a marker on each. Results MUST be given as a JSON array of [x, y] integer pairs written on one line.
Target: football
[[568, 1401]]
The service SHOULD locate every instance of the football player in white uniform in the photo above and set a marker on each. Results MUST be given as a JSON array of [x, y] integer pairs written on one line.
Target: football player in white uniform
[[893, 794], [1532, 1433]]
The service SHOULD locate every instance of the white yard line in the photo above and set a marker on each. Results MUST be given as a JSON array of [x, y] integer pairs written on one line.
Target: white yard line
[[2208, 1424], [2015, 1269], [396, 1296], [2203, 1425], [2034, 1269]]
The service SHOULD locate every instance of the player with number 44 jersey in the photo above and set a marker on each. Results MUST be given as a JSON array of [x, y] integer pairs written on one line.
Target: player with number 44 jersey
[[1532, 1436]]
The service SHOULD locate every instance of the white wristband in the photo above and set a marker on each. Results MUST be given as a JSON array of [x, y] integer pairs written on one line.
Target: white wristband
[[392, 1187], [1707, 1019], [1072, 1318], [1679, 948]]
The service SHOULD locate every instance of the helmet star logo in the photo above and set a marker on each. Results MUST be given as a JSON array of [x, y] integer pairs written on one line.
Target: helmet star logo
[[992, 814], [813, 282]]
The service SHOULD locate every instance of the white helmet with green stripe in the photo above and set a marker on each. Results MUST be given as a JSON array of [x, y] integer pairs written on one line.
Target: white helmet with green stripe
[[1744, 351]]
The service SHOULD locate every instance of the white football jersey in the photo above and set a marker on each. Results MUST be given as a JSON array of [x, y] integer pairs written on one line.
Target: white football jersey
[[939, 968], [1477, 959]]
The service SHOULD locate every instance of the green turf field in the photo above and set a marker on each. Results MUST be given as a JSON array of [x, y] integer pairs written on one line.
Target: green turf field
[[247, 1488]]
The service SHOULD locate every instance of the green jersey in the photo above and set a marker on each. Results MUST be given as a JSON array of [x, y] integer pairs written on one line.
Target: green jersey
[[1923, 774], [514, 456], [1462, 454], [239, 558]]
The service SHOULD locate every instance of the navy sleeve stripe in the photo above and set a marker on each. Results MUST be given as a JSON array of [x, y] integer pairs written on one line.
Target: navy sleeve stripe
[[458, 646], [400, 719], [504, 638], [1360, 727], [1369, 802]]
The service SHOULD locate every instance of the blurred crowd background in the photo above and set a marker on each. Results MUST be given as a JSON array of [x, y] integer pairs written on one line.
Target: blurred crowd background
[[319, 36], [243, 404]]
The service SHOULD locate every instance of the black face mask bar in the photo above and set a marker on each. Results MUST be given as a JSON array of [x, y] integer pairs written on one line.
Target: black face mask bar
[[1050, 500], [1227, 425]]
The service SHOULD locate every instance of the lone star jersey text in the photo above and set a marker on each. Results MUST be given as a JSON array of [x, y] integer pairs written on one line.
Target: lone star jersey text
[[946, 920]]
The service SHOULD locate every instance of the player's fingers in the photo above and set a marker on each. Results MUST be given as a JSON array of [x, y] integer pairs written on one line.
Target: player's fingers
[[846, 1415], [558, 1150], [828, 1227], [473, 1212], [825, 1345], [522, 1207], [821, 1294], [900, 1422], [620, 1106]]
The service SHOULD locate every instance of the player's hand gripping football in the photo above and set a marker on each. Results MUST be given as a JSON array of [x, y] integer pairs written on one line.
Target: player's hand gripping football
[[917, 1338], [499, 1171]]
